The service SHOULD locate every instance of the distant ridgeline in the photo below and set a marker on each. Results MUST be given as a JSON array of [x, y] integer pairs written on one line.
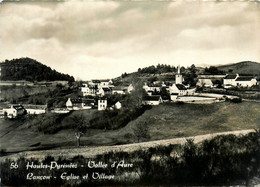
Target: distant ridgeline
[[30, 70]]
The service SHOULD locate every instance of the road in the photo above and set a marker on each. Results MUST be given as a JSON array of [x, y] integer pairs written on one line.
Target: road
[[91, 152]]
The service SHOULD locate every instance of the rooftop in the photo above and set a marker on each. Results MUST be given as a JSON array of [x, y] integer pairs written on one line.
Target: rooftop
[[152, 98], [181, 87], [244, 78], [231, 76]]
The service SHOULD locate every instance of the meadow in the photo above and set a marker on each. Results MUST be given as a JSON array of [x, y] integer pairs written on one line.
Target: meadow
[[168, 120]]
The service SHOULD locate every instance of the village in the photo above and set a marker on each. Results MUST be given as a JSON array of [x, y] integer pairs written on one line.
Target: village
[[94, 93]]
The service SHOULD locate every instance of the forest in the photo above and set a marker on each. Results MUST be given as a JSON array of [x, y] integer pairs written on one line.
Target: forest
[[30, 70]]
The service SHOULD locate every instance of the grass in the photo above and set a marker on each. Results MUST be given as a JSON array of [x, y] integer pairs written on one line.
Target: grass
[[165, 121], [172, 120]]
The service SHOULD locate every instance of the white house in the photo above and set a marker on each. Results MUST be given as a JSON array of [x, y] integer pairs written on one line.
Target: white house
[[106, 82], [230, 80], [130, 88], [239, 81], [245, 81], [102, 104], [152, 100], [118, 105], [14, 111], [79, 104]]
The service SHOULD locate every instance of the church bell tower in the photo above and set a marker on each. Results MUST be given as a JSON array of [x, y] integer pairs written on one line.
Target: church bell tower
[[178, 76]]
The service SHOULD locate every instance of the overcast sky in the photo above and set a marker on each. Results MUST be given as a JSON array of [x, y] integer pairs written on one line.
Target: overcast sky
[[104, 39]]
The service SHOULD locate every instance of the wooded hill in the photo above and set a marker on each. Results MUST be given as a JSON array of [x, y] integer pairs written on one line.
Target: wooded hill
[[245, 67], [30, 70]]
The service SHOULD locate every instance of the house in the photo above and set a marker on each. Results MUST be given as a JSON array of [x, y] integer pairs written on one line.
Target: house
[[179, 89], [230, 80], [102, 104], [79, 104], [118, 90], [245, 81], [204, 82], [106, 82], [151, 87], [35, 109], [89, 90], [130, 88], [118, 105], [152, 100], [210, 80], [239, 81], [14, 111], [104, 91]]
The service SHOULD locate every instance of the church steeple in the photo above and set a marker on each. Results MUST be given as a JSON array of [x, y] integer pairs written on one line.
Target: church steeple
[[178, 76]]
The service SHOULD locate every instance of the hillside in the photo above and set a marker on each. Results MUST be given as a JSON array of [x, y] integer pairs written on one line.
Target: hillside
[[167, 73], [165, 121], [245, 67], [30, 70]]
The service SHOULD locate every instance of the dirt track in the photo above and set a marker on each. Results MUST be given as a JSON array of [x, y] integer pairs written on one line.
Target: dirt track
[[91, 152]]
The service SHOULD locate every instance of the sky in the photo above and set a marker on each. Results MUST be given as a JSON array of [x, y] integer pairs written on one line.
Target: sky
[[103, 39]]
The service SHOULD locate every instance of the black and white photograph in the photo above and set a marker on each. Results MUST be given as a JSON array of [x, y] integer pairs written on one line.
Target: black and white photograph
[[129, 93]]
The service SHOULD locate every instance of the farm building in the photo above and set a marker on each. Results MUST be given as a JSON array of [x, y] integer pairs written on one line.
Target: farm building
[[79, 104], [14, 111], [152, 100]]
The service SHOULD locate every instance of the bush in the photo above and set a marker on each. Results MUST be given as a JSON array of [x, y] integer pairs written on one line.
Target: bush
[[236, 100]]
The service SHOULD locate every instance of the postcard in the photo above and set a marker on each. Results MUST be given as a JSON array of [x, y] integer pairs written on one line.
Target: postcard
[[129, 93]]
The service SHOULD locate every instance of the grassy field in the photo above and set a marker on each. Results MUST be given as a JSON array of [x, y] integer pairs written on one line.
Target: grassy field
[[165, 121]]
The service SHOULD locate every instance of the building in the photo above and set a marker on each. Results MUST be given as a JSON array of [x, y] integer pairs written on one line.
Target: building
[[14, 111], [152, 100], [118, 91], [130, 88], [89, 90], [35, 109], [104, 91], [178, 89], [151, 87], [174, 96], [230, 80], [178, 76], [239, 81], [245, 81], [118, 105], [79, 104], [205, 82], [106, 82], [102, 104]]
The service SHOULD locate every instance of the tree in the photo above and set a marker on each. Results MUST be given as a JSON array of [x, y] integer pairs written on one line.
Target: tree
[[141, 131], [138, 93], [192, 69], [80, 125]]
